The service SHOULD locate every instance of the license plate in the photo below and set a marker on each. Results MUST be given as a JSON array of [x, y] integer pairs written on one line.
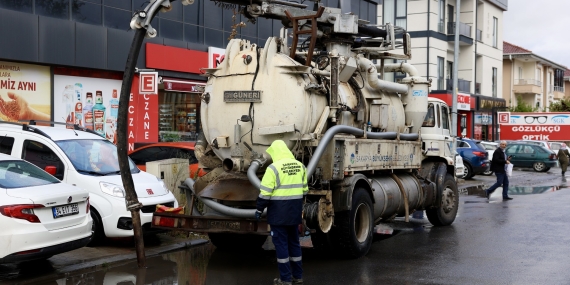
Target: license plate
[[65, 210]]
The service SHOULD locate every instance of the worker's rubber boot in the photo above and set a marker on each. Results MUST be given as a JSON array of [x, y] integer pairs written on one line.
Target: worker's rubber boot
[[277, 281], [297, 281]]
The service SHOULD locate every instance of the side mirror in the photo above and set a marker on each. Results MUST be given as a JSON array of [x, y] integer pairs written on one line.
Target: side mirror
[[51, 169]]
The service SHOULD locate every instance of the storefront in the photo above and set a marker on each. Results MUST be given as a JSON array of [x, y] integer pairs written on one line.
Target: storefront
[[485, 127], [179, 109], [465, 110]]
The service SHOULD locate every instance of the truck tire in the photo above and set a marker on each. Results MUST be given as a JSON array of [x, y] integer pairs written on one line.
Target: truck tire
[[444, 215], [97, 228], [354, 228], [237, 242]]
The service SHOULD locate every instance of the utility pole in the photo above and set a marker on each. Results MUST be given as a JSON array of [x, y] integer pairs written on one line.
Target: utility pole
[[455, 67]]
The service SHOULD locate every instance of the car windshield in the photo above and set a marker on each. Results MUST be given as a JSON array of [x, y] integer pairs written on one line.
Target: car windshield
[[94, 157], [429, 120], [20, 174]]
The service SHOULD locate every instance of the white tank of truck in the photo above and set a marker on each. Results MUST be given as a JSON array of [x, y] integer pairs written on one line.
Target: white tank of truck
[[374, 149]]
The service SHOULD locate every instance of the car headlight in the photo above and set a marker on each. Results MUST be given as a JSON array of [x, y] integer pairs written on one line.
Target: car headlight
[[112, 189], [163, 185]]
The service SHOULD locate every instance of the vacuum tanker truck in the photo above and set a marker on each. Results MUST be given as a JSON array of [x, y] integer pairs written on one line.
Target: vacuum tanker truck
[[374, 149]]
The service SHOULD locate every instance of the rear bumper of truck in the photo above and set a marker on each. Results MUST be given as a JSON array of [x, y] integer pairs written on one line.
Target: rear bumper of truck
[[209, 224]]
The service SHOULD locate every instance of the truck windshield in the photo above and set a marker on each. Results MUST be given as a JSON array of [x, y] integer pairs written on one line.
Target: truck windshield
[[429, 120], [95, 157]]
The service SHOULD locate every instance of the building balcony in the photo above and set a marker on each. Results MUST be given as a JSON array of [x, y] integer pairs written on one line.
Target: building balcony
[[441, 27], [465, 37], [462, 85], [464, 29], [558, 92], [522, 86]]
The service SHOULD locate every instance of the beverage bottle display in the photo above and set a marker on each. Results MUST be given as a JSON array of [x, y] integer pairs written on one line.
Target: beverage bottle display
[[111, 122], [78, 104], [69, 103], [88, 111], [99, 113]]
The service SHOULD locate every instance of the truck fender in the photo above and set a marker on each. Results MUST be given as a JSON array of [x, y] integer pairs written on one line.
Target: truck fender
[[342, 194], [435, 172]]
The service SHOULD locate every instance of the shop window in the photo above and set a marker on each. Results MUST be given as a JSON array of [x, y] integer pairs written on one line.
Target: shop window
[[179, 116], [6, 144], [87, 13], [42, 156], [17, 5], [56, 8]]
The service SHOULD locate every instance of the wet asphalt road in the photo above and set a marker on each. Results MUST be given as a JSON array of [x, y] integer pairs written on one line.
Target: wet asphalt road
[[523, 241]]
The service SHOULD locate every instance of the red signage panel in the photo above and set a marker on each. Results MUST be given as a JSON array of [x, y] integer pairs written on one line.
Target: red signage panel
[[176, 59], [535, 126], [142, 116]]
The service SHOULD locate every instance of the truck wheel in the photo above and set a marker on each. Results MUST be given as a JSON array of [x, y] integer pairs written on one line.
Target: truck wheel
[[354, 227], [237, 242], [444, 215], [97, 228]]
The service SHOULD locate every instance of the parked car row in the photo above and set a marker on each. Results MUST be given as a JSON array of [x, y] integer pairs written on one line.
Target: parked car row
[[62, 189], [477, 155]]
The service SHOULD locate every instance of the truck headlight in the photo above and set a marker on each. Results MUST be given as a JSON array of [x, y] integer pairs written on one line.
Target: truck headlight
[[112, 189]]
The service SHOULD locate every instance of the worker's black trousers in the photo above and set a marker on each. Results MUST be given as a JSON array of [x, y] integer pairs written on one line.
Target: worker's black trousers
[[288, 248]]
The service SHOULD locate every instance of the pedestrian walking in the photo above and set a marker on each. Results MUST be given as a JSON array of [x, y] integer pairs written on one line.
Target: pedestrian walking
[[563, 158], [282, 189], [499, 166]]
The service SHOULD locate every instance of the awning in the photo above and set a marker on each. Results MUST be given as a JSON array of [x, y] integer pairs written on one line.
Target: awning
[[179, 85]]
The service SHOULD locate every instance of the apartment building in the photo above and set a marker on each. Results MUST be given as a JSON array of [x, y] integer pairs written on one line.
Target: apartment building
[[531, 78], [431, 24], [567, 84]]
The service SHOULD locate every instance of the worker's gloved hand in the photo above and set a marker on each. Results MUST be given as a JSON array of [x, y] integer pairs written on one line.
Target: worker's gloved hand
[[258, 215]]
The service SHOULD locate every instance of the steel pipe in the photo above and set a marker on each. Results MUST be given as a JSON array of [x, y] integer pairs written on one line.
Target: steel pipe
[[376, 83]]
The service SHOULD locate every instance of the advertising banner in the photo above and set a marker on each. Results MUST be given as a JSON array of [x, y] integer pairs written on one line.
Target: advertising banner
[[25, 91], [89, 102], [142, 116], [534, 126]]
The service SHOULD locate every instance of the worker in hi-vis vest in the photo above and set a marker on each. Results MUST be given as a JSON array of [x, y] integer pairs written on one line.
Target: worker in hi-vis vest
[[282, 189]]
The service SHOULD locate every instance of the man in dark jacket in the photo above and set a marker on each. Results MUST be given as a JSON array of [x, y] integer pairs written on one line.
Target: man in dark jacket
[[499, 166], [281, 192]]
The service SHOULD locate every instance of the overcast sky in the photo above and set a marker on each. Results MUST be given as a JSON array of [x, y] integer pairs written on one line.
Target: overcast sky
[[540, 26]]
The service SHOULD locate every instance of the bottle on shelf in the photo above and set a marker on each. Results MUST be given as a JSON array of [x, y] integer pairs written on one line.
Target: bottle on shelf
[[88, 111], [78, 104], [99, 113], [111, 121]]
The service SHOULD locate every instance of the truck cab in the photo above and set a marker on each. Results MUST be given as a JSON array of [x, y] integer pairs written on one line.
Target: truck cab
[[437, 141]]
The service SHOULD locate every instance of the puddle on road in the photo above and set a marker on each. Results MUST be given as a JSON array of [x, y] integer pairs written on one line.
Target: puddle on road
[[479, 190]]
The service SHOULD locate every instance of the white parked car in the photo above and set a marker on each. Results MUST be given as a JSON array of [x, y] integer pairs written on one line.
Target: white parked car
[[39, 215], [459, 166], [85, 159], [490, 147]]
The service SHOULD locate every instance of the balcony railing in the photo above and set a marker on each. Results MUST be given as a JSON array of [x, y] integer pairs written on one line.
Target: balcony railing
[[559, 89], [441, 27], [462, 85], [464, 29], [479, 36], [528, 82], [477, 88]]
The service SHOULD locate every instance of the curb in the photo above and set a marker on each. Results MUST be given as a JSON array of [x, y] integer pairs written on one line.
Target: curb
[[109, 261]]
